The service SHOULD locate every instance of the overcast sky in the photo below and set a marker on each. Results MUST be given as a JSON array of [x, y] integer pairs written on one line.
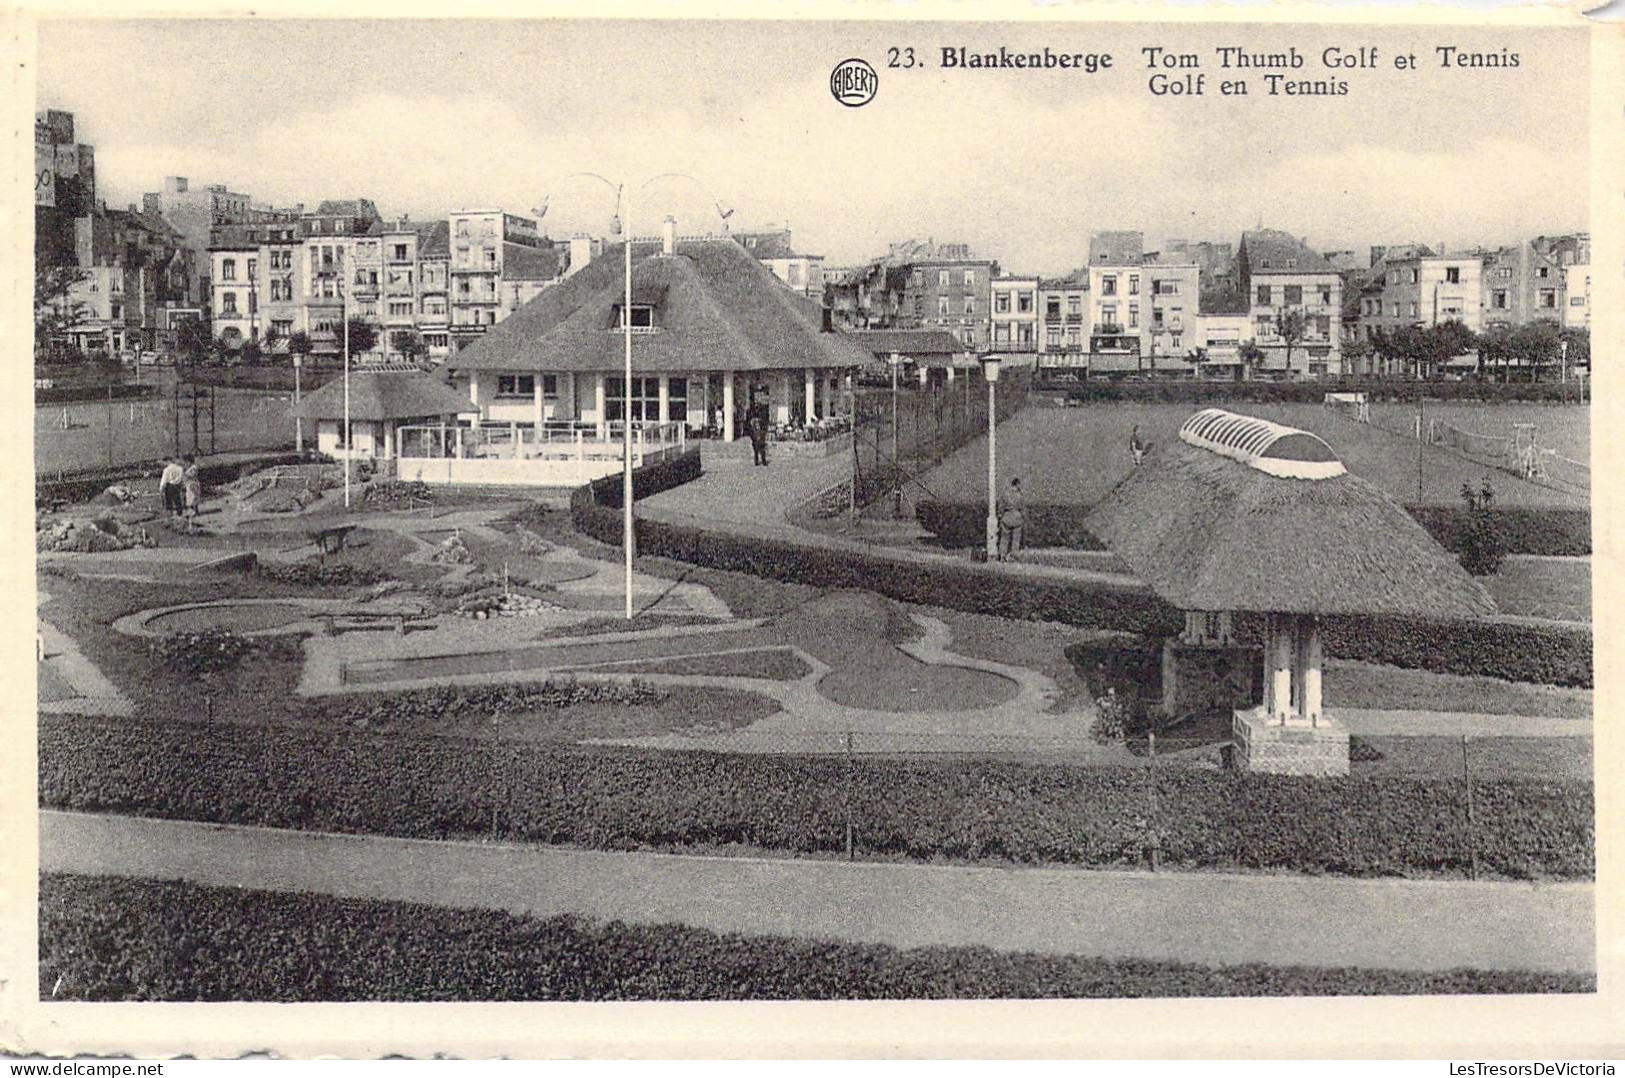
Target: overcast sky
[[425, 117]]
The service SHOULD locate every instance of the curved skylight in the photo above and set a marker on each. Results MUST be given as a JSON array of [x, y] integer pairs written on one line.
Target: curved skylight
[[1281, 451]]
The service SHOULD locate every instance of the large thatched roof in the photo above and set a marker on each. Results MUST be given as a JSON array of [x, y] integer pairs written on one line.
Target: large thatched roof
[[386, 394], [714, 308], [1210, 531]]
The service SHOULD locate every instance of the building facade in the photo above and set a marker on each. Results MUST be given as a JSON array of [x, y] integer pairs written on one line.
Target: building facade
[[1427, 290], [1014, 318], [1281, 278], [1063, 310]]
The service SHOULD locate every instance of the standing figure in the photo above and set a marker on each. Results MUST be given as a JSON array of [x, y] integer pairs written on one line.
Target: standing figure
[[193, 488], [757, 424], [1012, 508], [1136, 447], [170, 487]]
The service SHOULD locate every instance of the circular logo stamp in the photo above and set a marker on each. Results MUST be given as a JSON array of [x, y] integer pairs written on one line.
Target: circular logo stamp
[[853, 82]]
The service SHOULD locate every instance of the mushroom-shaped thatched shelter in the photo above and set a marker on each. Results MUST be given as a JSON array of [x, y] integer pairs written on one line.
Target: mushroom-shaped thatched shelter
[[382, 400], [1242, 514]]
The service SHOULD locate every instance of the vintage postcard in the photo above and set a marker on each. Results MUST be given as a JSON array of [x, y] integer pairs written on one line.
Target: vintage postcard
[[1013, 530]]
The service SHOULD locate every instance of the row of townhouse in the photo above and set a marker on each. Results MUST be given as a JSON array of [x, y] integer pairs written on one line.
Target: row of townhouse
[[440, 283], [136, 275]]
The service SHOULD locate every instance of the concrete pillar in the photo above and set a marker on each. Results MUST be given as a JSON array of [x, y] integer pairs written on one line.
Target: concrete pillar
[[727, 406], [809, 378], [474, 390], [389, 439], [598, 398], [541, 415], [1278, 667], [781, 410], [1311, 671], [950, 372], [665, 398]]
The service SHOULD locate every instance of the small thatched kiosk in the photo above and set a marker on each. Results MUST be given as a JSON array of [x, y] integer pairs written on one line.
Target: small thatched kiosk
[[1242, 514], [383, 398]]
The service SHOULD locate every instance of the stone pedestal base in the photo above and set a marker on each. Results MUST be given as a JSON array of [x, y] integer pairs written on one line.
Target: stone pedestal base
[[1263, 744], [1200, 679]]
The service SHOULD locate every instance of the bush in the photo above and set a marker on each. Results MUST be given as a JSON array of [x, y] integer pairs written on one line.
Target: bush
[[104, 939], [485, 701], [319, 574], [647, 481], [1547, 654], [206, 651], [1481, 550], [441, 787], [395, 494]]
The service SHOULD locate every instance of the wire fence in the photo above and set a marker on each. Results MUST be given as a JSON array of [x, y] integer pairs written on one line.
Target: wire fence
[[900, 436]]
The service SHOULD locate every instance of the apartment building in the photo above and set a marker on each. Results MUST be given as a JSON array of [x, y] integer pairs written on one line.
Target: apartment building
[[947, 288], [775, 250], [1281, 276], [194, 212], [1014, 317], [1063, 304], [343, 268], [488, 246], [1426, 290]]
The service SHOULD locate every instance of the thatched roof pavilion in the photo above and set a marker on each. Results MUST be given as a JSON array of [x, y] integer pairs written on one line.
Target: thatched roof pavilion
[[1241, 514]]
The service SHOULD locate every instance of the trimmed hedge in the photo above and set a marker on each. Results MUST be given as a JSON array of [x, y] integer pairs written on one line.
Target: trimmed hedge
[[1521, 529], [1514, 651], [80, 394], [108, 938], [646, 481], [1188, 392], [445, 787]]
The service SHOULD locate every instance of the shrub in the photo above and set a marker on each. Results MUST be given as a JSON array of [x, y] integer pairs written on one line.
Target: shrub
[[647, 481], [485, 701], [1186, 392], [536, 514], [397, 493], [104, 939], [334, 779], [206, 651], [1481, 550], [318, 574]]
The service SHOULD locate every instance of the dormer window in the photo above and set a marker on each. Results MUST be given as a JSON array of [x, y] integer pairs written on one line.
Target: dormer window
[[643, 316]]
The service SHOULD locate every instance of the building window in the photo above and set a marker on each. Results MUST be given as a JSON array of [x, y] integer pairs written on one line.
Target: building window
[[1133, 284], [228, 270], [1292, 263], [1108, 315], [1452, 275], [1108, 286], [1024, 303], [228, 301], [1323, 325], [253, 268], [1504, 272], [1396, 309], [1264, 295], [970, 304], [1001, 303], [516, 385], [1325, 294], [490, 256], [942, 278], [1175, 339], [1498, 299], [399, 252], [282, 327], [1548, 297], [676, 400], [970, 278], [1292, 294], [1543, 272], [1266, 325], [1074, 305], [645, 399], [1134, 316], [942, 305], [400, 310], [1415, 313], [643, 316], [1416, 276]]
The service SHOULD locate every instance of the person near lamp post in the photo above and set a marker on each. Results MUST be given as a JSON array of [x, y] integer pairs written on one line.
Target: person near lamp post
[[1012, 518]]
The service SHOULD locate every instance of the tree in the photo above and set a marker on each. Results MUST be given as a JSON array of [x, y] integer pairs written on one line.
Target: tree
[[56, 311], [1495, 348], [193, 342], [252, 353], [1291, 328], [409, 343], [1537, 344], [1446, 341], [1579, 351], [300, 344], [1355, 353], [363, 335], [272, 341], [1251, 356]]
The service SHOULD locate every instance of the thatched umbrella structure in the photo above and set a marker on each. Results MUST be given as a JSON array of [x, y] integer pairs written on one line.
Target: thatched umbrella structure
[[1242, 514]]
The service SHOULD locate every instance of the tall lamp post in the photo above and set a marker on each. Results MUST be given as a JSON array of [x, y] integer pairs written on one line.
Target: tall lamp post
[[896, 361], [623, 213], [349, 447], [990, 371]]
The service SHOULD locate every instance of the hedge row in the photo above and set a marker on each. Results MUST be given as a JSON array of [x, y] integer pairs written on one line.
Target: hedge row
[[442, 787], [1514, 651], [107, 939], [646, 481], [1521, 529], [1184, 392]]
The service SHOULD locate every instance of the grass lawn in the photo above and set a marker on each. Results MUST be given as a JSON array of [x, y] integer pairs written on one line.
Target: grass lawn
[[1389, 688], [1543, 587], [771, 664], [1075, 456], [111, 938]]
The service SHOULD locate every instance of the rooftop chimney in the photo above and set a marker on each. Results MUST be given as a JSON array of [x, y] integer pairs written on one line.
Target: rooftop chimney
[[829, 320], [580, 253], [668, 235]]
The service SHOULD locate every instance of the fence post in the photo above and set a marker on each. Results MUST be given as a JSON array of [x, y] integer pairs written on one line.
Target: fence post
[[851, 853], [1153, 848], [1472, 817]]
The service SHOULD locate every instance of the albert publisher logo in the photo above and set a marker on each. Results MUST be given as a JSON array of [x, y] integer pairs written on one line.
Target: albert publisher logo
[[853, 82]]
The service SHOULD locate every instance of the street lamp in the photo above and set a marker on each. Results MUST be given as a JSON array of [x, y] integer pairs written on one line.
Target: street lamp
[[896, 361], [349, 446], [990, 370], [623, 212]]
